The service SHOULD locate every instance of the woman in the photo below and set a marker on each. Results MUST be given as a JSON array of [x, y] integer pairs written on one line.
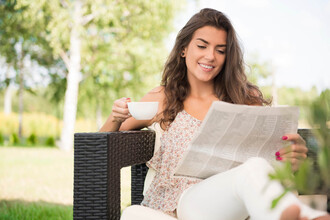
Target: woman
[[206, 65]]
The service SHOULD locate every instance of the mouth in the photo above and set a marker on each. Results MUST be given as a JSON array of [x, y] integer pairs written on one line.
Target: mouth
[[206, 67]]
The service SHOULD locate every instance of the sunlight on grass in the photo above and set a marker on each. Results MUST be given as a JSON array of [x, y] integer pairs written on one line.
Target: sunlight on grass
[[43, 175], [36, 174]]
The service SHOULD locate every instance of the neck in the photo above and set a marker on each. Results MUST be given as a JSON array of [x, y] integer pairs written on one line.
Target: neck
[[201, 89]]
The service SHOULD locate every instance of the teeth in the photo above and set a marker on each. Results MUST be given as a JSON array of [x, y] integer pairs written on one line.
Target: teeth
[[205, 66]]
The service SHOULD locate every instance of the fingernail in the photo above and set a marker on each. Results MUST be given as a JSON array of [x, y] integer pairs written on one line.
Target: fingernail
[[284, 137], [128, 99], [278, 158], [277, 154]]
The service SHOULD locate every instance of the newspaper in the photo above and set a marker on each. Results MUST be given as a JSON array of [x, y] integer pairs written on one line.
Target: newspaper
[[231, 133]]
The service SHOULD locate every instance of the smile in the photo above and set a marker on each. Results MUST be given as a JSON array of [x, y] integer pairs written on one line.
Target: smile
[[206, 66]]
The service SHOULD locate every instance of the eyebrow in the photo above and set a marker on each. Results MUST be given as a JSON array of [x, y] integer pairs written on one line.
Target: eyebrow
[[219, 45]]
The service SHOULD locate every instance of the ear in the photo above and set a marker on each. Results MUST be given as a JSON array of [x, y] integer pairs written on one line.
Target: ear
[[184, 52]]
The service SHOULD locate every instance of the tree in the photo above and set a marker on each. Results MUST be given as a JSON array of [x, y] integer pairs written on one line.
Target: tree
[[7, 85], [121, 38], [17, 38], [258, 72], [102, 34]]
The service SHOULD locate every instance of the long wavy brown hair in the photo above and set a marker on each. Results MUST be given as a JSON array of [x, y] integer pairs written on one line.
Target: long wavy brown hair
[[230, 85]]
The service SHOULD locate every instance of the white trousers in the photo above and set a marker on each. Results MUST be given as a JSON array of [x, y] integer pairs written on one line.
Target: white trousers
[[238, 193]]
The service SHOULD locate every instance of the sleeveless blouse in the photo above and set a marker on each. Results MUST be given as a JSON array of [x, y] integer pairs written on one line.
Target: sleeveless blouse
[[165, 190]]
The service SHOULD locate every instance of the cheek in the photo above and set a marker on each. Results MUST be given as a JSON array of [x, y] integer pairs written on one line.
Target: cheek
[[190, 60], [222, 62]]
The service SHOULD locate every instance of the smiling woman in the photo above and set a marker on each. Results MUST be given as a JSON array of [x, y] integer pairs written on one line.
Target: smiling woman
[[205, 55], [206, 65]]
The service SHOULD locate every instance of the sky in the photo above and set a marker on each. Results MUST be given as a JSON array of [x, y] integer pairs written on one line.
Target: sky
[[292, 35]]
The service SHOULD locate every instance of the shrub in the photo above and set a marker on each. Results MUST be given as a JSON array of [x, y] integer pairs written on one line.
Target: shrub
[[50, 141], [14, 139], [40, 124], [2, 139], [32, 139]]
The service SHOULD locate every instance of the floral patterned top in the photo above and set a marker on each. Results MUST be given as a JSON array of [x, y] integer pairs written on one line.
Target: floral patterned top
[[165, 190]]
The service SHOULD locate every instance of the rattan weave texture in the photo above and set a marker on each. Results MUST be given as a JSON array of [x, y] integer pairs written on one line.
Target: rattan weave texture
[[98, 160]]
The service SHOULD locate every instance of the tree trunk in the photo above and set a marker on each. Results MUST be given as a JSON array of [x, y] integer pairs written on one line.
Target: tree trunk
[[73, 79], [7, 101], [20, 96], [8, 97]]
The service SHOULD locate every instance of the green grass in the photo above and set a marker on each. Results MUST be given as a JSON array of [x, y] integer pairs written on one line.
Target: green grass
[[17, 209], [37, 183], [36, 174]]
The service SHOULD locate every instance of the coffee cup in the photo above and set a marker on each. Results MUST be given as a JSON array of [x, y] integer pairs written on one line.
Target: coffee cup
[[143, 110]]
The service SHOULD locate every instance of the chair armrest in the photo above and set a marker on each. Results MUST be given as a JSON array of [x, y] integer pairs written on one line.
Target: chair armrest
[[98, 158]]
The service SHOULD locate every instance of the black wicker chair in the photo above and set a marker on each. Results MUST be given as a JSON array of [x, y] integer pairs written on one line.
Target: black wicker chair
[[98, 158]]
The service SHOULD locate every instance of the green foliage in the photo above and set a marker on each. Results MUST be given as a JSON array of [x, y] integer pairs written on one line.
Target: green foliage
[[40, 124], [256, 70], [124, 57], [2, 139], [34, 210], [275, 201], [310, 179], [294, 96], [50, 141], [320, 115], [35, 103], [14, 139], [122, 50], [32, 139]]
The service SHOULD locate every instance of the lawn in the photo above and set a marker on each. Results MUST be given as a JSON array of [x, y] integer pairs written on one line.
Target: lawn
[[37, 183]]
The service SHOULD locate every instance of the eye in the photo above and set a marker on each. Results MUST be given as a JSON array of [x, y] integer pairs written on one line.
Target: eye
[[221, 52], [200, 46]]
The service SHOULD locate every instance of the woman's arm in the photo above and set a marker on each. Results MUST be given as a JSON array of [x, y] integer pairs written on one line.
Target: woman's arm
[[120, 119]]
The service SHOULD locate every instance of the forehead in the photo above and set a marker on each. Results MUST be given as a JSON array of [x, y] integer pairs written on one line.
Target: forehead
[[211, 35]]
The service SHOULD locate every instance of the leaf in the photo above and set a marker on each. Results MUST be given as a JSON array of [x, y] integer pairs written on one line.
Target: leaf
[[276, 201]]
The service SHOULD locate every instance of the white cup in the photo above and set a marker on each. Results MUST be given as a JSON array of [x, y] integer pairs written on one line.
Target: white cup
[[143, 110]]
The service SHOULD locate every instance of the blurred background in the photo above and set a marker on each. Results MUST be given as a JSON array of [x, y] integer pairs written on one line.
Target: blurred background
[[64, 62]]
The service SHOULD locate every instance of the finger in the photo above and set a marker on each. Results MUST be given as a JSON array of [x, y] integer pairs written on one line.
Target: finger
[[292, 148], [121, 103], [121, 117], [295, 138], [121, 106], [298, 156], [120, 112]]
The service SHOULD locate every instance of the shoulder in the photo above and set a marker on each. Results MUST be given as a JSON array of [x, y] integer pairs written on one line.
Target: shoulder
[[155, 95]]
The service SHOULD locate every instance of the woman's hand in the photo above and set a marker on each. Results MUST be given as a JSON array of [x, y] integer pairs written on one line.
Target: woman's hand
[[120, 110], [295, 153]]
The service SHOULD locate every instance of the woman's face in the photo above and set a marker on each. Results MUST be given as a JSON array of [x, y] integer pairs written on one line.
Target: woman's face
[[205, 54]]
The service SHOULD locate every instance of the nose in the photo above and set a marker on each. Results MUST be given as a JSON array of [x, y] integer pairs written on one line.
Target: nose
[[209, 54]]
